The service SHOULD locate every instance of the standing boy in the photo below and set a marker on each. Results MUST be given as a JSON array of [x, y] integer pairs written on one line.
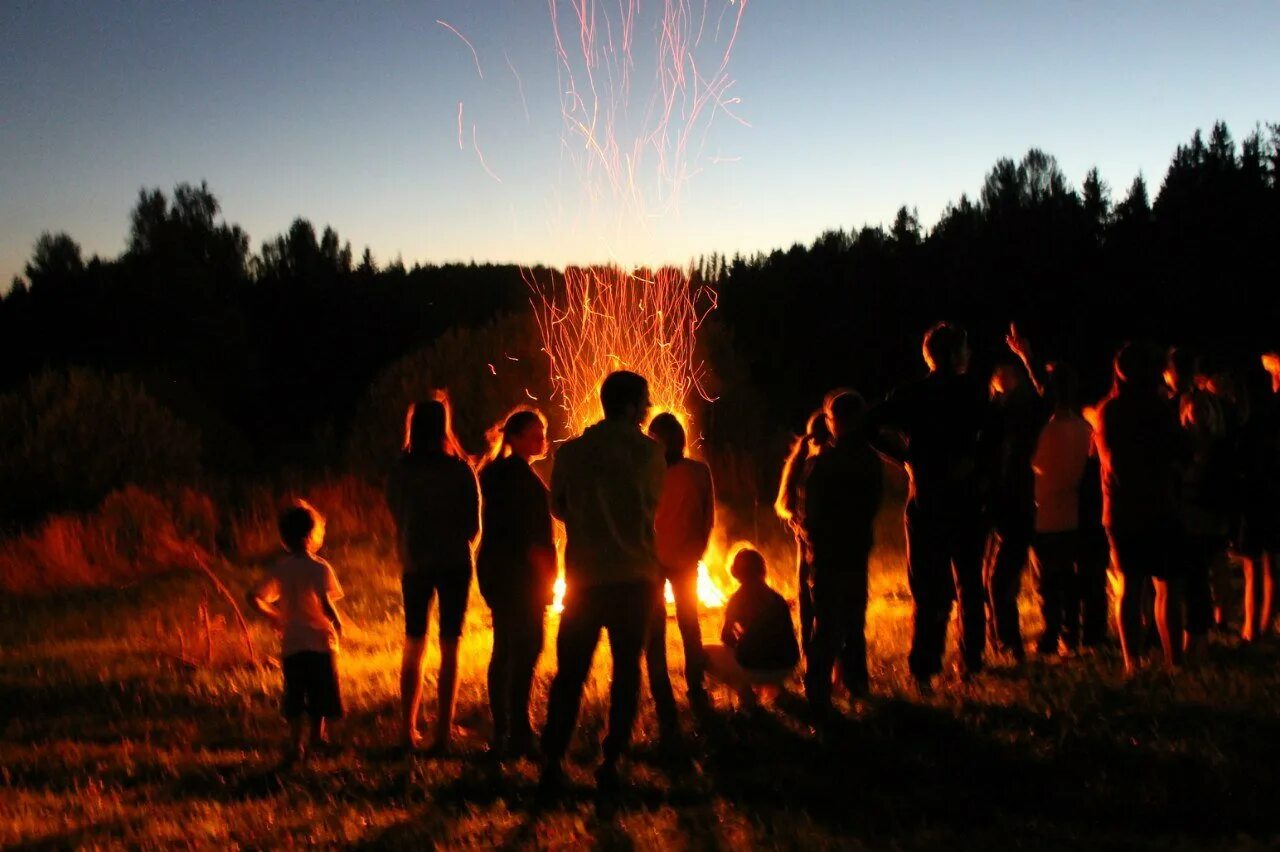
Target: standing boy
[[298, 597]]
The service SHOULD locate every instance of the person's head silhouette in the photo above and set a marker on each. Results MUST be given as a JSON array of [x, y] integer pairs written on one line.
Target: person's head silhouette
[[625, 397], [946, 349]]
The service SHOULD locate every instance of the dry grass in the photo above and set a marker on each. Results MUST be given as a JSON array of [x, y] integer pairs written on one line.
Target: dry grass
[[108, 740]]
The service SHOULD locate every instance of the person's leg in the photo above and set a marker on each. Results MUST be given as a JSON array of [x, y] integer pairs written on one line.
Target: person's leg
[[655, 658], [1052, 559], [576, 640], [1201, 554], [967, 541], [853, 655], [1093, 562], [417, 603], [827, 638], [524, 663], [1169, 595], [499, 678], [628, 616], [932, 591], [1012, 542], [294, 705], [685, 588], [1251, 566], [453, 589], [1266, 611], [1134, 580]]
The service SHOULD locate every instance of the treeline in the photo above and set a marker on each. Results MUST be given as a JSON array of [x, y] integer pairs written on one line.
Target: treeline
[[272, 355], [1081, 272]]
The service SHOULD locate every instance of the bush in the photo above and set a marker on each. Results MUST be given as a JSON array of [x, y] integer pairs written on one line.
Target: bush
[[133, 534], [69, 437]]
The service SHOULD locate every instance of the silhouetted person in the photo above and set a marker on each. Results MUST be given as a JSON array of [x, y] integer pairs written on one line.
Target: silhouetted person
[[1203, 511], [1140, 447], [605, 486], [682, 526], [1095, 549], [839, 500], [435, 502], [516, 570], [759, 641], [298, 597], [1019, 414], [1259, 543], [1061, 458], [787, 506], [937, 428]]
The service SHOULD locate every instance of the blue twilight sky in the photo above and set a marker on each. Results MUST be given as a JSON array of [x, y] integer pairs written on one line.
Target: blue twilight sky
[[347, 114]]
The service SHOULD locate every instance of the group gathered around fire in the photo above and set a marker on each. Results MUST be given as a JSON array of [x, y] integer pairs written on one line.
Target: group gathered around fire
[[1152, 491]]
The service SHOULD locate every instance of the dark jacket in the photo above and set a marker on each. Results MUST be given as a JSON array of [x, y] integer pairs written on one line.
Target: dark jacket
[[757, 626], [436, 506], [1140, 446], [516, 562], [839, 499], [946, 423]]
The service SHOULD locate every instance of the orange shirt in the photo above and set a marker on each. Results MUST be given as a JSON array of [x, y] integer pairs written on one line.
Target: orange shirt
[[686, 514], [1061, 454]]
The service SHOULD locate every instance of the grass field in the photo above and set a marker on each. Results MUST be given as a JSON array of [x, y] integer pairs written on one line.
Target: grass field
[[119, 729]]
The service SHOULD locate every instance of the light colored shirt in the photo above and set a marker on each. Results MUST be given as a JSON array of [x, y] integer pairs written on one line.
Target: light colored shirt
[[686, 516], [297, 585], [605, 486], [1061, 455]]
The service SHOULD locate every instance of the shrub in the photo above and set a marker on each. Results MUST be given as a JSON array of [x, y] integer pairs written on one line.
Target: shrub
[[133, 534], [69, 437]]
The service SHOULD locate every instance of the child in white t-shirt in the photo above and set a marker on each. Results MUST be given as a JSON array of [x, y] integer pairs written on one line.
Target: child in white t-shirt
[[298, 597]]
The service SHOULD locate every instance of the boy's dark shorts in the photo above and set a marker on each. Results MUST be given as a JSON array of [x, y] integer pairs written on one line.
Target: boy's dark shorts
[[311, 685], [453, 585]]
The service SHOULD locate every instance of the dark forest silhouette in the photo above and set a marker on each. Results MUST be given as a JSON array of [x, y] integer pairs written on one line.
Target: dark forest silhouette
[[255, 349]]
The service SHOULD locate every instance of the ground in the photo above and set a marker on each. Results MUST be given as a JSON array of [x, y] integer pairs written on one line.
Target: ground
[[116, 728]]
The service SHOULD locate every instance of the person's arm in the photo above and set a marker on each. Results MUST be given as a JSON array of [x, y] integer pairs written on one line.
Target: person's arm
[[1021, 347], [332, 592], [263, 598], [730, 632], [470, 503], [331, 613], [812, 500], [885, 429]]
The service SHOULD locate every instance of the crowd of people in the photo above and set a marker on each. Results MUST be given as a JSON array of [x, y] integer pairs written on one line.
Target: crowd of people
[[1152, 491]]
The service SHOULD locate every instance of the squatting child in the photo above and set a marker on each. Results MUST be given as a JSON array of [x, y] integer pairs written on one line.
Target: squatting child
[[298, 597], [759, 639]]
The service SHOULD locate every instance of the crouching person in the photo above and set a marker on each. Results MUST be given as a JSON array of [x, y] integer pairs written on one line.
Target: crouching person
[[759, 650], [298, 597]]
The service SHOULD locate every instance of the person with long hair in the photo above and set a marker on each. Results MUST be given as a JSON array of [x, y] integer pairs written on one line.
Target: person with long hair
[[516, 570], [434, 499], [816, 438], [682, 528], [1141, 449], [838, 504]]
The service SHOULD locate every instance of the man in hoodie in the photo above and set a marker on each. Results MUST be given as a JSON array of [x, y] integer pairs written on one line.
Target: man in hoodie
[[605, 487]]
